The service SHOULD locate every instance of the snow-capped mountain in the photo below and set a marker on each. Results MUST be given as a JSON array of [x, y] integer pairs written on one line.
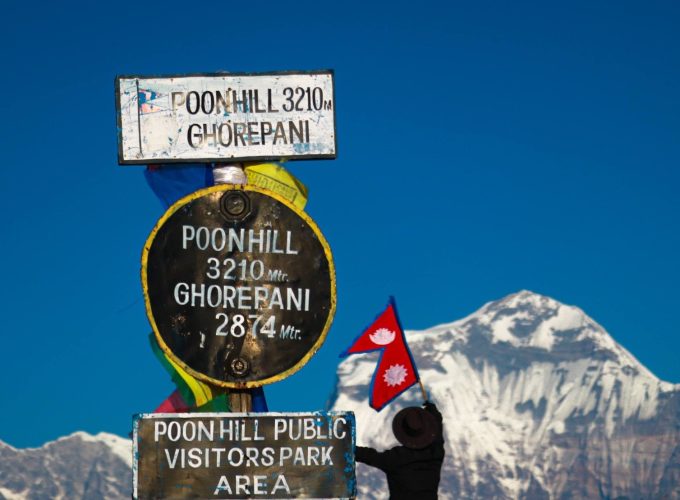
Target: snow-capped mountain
[[79, 466], [538, 402]]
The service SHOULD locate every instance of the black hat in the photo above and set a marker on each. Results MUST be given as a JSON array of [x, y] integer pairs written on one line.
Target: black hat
[[415, 428]]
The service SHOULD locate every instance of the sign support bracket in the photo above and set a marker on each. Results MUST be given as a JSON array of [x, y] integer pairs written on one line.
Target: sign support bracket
[[240, 400]]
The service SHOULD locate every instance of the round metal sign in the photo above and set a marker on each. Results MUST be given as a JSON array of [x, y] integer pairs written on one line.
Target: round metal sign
[[239, 285]]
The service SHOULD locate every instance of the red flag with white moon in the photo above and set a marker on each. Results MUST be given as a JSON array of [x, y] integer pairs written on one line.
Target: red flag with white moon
[[396, 370]]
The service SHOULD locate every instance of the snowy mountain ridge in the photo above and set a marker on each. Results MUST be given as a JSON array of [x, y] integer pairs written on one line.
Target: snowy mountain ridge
[[76, 466], [531, 391], [527, 320], [539, 402], [121, 447]]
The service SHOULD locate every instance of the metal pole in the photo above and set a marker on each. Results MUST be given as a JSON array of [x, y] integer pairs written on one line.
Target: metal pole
[[240, 400], [229, 173]]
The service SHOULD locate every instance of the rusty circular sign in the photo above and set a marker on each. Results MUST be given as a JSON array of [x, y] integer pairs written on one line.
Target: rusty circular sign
[[239, 285]]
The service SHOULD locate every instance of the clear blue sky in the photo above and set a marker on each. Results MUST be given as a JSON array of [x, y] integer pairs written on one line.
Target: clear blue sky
[[484, 148]]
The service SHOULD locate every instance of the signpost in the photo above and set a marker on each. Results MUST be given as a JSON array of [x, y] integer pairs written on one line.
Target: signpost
[[217, 117], [222, 455], [239, 285]]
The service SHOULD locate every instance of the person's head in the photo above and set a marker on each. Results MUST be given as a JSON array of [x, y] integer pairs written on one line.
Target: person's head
[[415, 428]]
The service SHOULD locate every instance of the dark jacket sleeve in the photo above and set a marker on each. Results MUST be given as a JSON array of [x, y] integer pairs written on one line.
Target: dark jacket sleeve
[[432, 408], [382, 460]]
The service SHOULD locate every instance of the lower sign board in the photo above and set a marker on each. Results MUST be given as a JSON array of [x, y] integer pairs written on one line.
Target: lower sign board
[[239, 285], [232, 455]]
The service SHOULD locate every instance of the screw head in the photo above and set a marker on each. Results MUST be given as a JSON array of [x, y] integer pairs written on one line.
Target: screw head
[[239, 367], [235, 205]]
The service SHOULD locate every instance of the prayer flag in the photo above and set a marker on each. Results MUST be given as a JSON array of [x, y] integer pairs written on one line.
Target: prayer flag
[[277, 179], [172, 182], [173, 404], [192, 391]]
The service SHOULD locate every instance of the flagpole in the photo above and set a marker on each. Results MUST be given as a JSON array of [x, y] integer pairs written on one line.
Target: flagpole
[[422, 389]]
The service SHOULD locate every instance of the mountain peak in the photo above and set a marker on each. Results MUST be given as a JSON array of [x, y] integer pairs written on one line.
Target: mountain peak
[[529, 320], [527, 296], [527, 325], [538, 400]]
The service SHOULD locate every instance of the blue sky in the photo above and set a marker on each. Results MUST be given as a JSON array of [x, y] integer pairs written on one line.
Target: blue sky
[[484, 148]]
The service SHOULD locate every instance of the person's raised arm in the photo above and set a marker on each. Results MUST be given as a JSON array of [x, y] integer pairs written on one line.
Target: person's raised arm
[[369, 456], [430, 407]]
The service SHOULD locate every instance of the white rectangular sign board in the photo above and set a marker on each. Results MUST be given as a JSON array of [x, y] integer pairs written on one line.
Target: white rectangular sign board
[[224, 117]]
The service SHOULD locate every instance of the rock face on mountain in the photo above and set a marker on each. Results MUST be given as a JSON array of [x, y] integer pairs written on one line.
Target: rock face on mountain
[[539, 402], [79, 466]]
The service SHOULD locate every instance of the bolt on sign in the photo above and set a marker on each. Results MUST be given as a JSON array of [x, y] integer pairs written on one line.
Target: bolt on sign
[[239, 285], [214, 117], [231, 455]]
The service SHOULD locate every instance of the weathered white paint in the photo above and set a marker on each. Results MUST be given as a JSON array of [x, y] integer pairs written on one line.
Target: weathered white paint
[[219, 117], [204, 455]]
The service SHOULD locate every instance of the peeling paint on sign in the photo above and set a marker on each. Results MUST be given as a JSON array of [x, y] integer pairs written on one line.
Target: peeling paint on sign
[[232, 455], [239, 285], [216, 117]]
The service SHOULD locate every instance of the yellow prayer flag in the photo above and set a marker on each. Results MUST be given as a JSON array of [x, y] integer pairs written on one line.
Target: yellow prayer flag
[[202, 392], [277, 179]]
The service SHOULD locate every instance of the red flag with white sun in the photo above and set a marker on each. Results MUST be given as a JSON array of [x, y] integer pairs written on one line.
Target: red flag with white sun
[[396, 369]]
